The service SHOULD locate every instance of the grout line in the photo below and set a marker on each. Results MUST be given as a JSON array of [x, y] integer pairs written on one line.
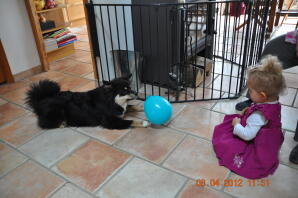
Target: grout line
[[181, 188], [190, 134], [56, 190], [173, 149], [295, 98], [8, 172], [288, 165], [64, 179], [134, 156], [30, 139], [121, 138], [222, 188], [62, 158], [110, 178]]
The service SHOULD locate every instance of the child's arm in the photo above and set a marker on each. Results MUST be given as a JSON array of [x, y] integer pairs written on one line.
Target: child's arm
[[253, 124]]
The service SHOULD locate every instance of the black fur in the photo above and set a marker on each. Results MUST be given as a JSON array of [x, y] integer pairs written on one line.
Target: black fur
[[92, 108]]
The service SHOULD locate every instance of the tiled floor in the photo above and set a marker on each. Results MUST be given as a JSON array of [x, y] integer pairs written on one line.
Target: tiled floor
[[156, 162]]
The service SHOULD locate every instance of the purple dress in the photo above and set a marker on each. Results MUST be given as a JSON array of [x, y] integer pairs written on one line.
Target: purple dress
[[258, 157]]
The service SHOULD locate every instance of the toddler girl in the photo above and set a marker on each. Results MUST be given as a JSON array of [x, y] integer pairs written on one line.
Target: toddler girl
[[249, 144]]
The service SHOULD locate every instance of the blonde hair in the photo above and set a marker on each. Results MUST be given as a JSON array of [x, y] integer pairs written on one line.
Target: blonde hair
[[267, 77]]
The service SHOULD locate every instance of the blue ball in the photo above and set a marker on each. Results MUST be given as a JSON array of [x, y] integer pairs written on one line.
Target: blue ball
[[157, 109]]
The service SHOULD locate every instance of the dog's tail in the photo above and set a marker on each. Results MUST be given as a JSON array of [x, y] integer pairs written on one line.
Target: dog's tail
[[40, 91]]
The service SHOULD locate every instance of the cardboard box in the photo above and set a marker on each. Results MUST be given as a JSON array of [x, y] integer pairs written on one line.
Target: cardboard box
[[194, 73]]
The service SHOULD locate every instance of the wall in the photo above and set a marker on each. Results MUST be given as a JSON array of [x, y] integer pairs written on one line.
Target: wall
[[17, 36]]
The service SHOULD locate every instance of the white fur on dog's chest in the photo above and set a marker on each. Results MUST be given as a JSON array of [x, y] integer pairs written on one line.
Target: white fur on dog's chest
[[122, 101]]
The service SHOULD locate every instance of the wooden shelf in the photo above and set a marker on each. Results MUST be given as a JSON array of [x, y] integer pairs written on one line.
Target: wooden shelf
[[52, 9], [60, 52], [59, 48], [60, 16], [56, 28]]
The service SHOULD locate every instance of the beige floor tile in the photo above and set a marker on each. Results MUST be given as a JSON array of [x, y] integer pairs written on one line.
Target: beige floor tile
[[282, 184], [287, 146], [195, 158], [79, 69], [228, 106], [17, 96], [226, 68], [197, 121], [90, 76], [70, 83], [86, 87], [105, 135], [141, 179], [91, 164], [82, 56], [288, 97], [292, 70], [296, 102], [200, 94], [29, 180], [228, 84], [191, 190], [53, 145], [70, 191], [10, 112], [62, 64], [82, 45], [291, 80], [151, 144], [49, 75], [20, 131], [2, 101], [9, 159], [289, 117], [83, 37], [12, 86]]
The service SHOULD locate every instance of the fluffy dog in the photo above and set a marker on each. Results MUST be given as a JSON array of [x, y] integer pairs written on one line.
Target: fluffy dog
[[104, 106]]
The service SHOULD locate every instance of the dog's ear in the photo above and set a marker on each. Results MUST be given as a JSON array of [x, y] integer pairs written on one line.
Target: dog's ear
[[106, 84], [127, 77]]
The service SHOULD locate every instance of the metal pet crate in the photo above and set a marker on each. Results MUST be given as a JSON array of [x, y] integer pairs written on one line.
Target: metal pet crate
[[187, 51]]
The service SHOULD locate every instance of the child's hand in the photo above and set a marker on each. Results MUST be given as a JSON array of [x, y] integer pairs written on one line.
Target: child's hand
[[236, 121]]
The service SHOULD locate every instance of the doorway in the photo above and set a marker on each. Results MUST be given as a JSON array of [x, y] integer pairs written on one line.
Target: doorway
[[5, 72]]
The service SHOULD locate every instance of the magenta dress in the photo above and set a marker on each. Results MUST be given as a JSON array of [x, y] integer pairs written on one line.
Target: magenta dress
[[252, 159]]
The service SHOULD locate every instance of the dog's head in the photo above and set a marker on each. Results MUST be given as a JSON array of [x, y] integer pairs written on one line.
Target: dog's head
[[121, 86]]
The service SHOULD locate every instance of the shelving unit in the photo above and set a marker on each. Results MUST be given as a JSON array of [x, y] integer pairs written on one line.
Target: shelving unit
[[59, 15]]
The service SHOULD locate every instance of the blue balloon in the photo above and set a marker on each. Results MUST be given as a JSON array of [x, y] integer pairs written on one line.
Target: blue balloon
[[157, 109]]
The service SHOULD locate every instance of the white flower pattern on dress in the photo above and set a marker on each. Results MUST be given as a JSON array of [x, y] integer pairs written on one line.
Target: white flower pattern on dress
[[238, 161]]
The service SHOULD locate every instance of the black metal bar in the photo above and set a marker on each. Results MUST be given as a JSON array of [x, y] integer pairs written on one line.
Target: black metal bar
[[264, 28], [135, 54], [181, 57], [245, 45], [104, 41], [94, 38], [111, 39]]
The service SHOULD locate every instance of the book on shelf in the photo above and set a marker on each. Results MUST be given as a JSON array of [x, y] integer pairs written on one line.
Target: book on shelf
[[50, 44], [67, 42], [58, 39]]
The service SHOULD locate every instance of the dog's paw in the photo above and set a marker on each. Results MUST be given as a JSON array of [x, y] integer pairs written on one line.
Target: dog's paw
[[146, 124], [140, 124]]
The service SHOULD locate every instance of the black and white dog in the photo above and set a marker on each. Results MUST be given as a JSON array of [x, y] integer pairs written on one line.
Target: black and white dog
[[104, 106]]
